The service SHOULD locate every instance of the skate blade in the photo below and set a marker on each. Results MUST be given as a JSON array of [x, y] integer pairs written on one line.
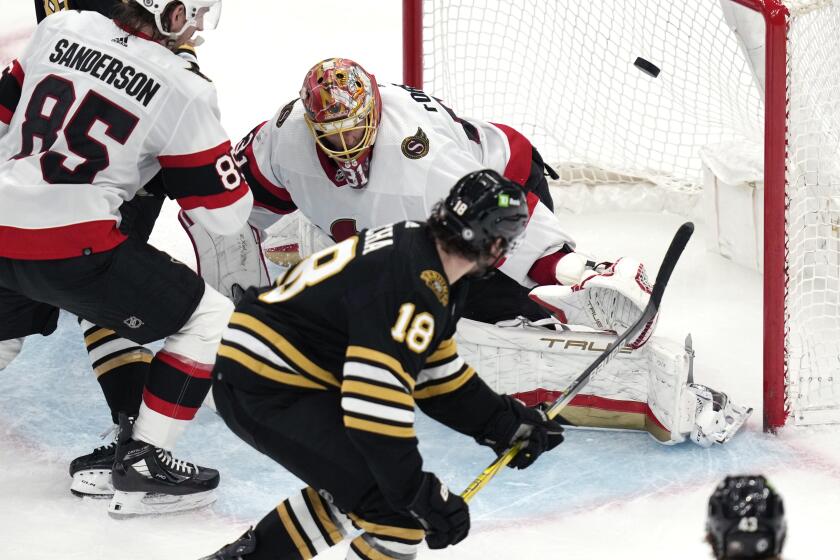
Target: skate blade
[[92, 484], [133, 504]]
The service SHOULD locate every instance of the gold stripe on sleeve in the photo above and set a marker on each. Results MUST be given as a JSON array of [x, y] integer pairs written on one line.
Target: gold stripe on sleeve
[[264, 370], [377, 392], [447, 349], [280, 342], [379, 428], [381, 358], [443, 388]]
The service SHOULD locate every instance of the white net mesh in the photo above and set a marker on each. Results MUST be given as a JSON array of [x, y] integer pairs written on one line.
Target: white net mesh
[[563, 72], [813, 214]]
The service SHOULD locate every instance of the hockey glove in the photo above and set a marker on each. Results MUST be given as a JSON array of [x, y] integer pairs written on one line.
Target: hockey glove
[[444, 515], [611, 300], [520, 423]]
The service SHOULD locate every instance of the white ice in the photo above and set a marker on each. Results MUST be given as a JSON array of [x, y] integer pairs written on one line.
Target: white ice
[[600, 495]]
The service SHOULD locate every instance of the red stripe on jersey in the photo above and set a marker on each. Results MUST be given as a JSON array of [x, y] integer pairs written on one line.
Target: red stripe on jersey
[[538, 396], [197, 159], [168, 409], [5, 115], [518, 167], [543, 271], [254, 168], [17, 72], [533, 200], [62, 242], [273, 209], [185, 365], [212, 201]]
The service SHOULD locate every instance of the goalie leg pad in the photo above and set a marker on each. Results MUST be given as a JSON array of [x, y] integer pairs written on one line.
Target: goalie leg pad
[[648, 388], [292, 238], [229, 263]]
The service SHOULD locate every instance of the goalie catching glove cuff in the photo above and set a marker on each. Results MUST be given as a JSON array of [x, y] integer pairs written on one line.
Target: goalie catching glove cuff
[[611, 300], [444, 516], [519, 423]]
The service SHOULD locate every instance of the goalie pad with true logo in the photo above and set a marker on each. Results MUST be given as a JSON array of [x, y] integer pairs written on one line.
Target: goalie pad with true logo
[[648, 388]]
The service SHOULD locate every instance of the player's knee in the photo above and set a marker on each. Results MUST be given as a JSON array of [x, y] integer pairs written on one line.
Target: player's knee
[[199, 338]]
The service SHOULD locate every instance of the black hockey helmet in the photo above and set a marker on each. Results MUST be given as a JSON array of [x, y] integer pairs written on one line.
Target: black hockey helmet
[[481, 208], [746, 519]]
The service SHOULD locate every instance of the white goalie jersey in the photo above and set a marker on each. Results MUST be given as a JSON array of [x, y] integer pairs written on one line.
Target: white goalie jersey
[[422, 148]]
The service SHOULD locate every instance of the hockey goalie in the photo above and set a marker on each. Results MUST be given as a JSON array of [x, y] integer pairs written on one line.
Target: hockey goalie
[[349, 154]]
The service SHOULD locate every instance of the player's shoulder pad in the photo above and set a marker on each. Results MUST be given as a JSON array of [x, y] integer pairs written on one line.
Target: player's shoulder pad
[[284, 112], [421, 267], [193, 67]]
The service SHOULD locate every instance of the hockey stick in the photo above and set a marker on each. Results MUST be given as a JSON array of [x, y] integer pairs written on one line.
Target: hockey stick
[[678, 243]]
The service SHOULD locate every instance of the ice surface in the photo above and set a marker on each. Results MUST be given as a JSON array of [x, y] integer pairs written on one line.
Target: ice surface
[[600, 495]]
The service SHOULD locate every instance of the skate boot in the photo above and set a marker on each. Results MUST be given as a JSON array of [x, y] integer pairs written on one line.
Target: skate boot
[[238, 549], [92, 473], [148, 480]]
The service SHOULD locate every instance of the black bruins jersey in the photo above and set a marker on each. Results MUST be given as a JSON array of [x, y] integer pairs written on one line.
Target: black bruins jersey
[[373, 319], [43, 8]]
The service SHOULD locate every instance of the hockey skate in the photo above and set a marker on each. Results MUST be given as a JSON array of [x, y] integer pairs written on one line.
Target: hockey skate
[[92, 473], [148, 480], [237, 550]]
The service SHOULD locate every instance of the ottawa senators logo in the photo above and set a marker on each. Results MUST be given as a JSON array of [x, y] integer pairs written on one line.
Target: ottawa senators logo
[[285, 112], [435, 282], [417, 146]]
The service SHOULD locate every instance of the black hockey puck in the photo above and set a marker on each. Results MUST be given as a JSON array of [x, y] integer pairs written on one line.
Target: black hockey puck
[[647, 67]]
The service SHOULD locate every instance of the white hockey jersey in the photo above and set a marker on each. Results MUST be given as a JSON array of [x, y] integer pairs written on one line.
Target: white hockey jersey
[[422, 148], [90, 113]]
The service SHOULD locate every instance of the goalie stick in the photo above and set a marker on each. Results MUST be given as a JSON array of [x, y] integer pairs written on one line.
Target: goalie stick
[[678, 243]]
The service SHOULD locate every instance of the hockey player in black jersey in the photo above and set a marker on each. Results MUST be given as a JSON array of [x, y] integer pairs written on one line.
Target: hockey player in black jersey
[[322, 373]]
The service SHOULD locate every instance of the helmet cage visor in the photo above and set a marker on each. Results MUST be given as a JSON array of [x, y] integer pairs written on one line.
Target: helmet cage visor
[[332, 136]]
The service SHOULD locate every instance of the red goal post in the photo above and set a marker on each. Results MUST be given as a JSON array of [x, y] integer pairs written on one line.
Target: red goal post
[[786, 391]]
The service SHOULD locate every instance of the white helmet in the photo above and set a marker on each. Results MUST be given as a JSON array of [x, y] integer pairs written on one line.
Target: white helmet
[[203, 15]]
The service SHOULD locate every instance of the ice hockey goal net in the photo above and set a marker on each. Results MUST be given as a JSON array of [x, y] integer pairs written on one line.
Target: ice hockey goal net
[[578, 78]]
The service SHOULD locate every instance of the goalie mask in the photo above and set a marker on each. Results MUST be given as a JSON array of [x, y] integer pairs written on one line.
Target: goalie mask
[[342, 107], [482, 210], [746, 519], [202, 15]]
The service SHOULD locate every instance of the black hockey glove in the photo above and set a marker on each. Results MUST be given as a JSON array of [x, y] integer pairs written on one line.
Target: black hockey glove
[[516, 423], [444, 515]]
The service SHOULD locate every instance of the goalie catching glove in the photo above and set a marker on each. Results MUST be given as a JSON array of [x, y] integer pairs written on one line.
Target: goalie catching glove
[[610, 300], [516, 423], [444, 516]]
